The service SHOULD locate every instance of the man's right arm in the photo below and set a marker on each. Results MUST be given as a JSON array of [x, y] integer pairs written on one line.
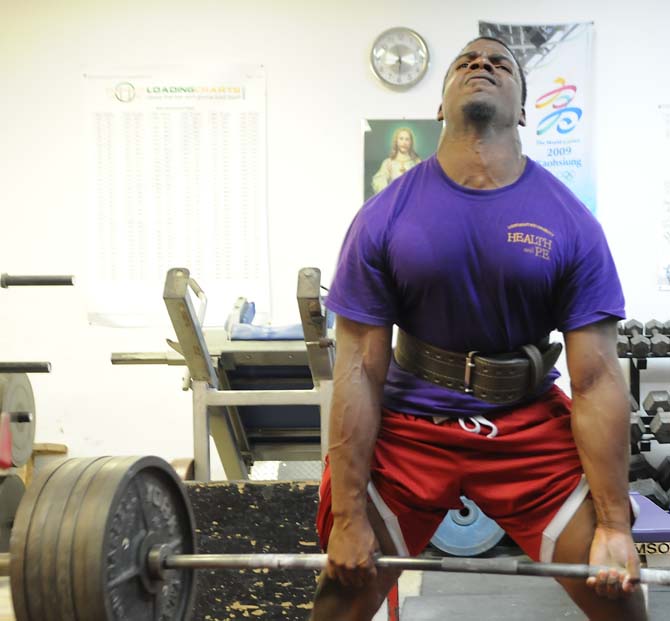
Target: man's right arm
[[361, 364]]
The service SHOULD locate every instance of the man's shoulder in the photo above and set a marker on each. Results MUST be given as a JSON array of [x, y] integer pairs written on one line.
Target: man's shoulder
[[397, 193]]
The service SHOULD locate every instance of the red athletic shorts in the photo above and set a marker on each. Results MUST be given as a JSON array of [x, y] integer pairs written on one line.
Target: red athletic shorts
[[520, 466]]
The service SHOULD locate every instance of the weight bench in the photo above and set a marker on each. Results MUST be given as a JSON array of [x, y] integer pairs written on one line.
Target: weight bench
[[651, 533], [261, 393]]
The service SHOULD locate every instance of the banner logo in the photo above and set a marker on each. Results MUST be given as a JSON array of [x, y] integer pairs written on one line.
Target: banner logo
[[124, 92], [565, 118]]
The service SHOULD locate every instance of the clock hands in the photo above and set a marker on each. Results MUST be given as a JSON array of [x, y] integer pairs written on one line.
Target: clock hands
[[399, 59], [390, 58]]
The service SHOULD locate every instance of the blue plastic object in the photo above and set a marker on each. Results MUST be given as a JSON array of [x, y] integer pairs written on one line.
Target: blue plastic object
[[467, 531], [247, 331], [250, 332]]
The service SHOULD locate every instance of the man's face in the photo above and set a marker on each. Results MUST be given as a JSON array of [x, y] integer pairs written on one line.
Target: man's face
[[484, 77]]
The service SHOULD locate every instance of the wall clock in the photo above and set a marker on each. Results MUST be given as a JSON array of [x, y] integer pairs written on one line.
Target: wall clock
[[399, 58]]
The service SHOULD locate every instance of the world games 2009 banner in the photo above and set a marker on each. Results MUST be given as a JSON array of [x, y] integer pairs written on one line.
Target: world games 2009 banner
[[558, 63]]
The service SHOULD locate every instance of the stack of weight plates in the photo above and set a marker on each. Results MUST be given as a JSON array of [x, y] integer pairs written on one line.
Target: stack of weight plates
[[16, 398]]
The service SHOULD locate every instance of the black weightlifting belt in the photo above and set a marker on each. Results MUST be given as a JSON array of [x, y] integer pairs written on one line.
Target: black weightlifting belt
[[497, 378]]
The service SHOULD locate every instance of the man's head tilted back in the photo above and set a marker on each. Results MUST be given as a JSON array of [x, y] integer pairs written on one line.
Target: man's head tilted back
[[484, 82]]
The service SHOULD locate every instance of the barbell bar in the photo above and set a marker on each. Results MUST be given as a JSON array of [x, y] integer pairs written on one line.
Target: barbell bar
[[451, 565], [113, 538], [158, 562]]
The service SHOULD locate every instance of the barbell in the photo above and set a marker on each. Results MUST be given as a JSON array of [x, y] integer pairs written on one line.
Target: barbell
[[113, 539]]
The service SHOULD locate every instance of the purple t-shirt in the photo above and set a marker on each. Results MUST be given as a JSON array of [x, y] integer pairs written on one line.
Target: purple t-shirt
[[465, 269]]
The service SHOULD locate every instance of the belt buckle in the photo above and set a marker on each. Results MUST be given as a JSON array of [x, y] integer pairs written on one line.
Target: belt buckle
[[469, 365]]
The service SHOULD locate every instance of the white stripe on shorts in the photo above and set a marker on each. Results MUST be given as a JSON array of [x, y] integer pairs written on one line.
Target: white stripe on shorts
[[564, 515], [561, 519], [390, 519]]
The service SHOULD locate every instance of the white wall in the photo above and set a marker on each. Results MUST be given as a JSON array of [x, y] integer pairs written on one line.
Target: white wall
[[319, 88]]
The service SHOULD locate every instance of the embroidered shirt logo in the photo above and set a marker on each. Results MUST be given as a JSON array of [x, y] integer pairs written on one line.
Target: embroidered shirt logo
[[537, 242]]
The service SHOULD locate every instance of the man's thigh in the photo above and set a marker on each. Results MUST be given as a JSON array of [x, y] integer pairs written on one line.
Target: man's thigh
[[336, 602]]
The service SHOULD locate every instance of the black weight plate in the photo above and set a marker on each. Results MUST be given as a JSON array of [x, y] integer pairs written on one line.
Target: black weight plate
[[12, 490], [63, 590], [63, 500], [19, 539], [131, 504], [40, 543], [16, 395]]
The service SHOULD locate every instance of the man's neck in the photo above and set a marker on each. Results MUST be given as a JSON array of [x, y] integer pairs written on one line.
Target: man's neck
[[481, 161]]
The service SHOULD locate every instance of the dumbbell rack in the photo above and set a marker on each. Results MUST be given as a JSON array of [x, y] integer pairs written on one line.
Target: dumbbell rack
[[645, 348], [649, 483]]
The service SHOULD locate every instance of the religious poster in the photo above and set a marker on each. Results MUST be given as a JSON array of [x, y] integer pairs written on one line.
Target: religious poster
[[392, 147]]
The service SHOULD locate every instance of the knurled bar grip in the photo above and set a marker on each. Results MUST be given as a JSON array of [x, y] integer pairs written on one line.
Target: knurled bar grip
[[460, 565], [25, 367], [35, 281]]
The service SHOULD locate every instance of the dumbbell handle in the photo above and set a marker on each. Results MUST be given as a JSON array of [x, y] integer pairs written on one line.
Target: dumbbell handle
[[35, 281]]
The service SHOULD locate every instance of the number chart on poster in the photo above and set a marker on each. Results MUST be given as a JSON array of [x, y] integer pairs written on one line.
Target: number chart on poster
[[177, 179]]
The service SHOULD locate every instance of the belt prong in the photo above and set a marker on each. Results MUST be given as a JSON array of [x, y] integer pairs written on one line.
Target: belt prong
[[469, 365]]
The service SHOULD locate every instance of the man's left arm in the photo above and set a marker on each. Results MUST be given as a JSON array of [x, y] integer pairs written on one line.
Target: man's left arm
[[601, 428]]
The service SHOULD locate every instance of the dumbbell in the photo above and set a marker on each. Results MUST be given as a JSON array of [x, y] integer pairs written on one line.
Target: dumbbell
[[652, 490], [622, 345], [663, 474], [637, 430], [640, 468], [622, 342], [644, 479], [634, 405], [660, 343], [640, 345], [657, 404]]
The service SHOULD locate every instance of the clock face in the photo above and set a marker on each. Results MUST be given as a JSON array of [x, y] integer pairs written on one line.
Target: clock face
[[399, 57]]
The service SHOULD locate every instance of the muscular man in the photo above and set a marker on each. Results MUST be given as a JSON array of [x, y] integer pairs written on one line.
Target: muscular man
[[477, 254]]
